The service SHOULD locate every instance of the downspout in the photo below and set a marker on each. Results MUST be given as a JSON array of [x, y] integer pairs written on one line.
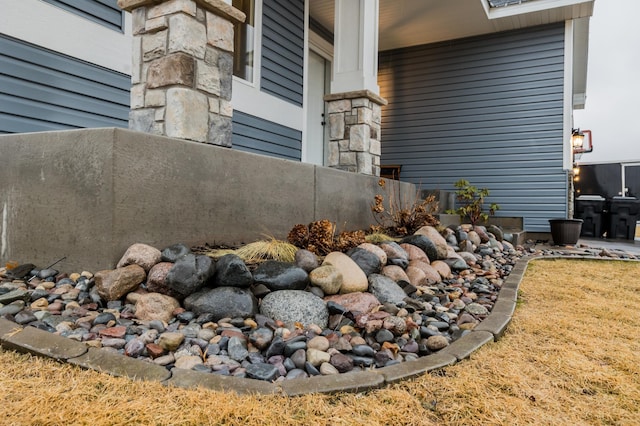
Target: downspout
[[567, 152]]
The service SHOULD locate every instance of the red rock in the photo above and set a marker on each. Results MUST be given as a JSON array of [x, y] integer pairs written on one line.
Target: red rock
[[117, 332], [154, 350], [355, 302]]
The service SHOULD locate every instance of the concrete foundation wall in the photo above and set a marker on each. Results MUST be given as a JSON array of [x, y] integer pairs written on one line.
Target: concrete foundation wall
[[89, 194]]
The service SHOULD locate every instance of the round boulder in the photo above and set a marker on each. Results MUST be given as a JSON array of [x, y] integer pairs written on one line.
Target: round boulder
[[366, 260], [189, 274], [327, 277], [156, 306], [140, 254], [385, 289], [353, 278], [223, 302], [231, 271], [295, 306], [281, 276]]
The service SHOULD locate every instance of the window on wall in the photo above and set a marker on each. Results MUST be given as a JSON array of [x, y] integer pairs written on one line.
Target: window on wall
[[244, 42], [104, 12]]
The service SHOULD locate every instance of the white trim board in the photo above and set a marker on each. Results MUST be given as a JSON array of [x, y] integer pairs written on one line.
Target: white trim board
[[56, 29]]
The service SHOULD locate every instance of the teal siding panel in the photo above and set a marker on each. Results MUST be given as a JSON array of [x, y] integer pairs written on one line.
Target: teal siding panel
[[283, 49], [41, 90], [487, 109], [254, 134]]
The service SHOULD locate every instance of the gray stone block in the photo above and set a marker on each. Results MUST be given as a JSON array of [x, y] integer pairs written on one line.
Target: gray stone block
[[120, 365], [347, 382], [504, 307], [496, 324], [8, 328], [467, 344], [406, 370], [39, 342], [508, 294], [192, 379]]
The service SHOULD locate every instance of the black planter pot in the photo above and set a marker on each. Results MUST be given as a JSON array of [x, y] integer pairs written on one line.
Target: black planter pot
[[565, 232]]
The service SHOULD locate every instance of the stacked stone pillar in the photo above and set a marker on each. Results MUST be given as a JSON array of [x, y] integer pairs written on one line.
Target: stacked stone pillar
[[182, 68], [354, 131]]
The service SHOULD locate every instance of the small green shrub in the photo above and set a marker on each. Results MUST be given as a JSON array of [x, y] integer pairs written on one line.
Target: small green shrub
[[471, 200]]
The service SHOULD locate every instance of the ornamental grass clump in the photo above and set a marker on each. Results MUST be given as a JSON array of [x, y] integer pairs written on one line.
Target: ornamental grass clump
[[270, 249]]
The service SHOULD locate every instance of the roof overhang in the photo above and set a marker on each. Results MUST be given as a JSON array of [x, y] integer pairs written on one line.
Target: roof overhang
[[404, 23]]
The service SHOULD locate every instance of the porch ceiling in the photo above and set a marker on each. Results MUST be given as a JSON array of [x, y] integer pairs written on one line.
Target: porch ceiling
[[413, 22]]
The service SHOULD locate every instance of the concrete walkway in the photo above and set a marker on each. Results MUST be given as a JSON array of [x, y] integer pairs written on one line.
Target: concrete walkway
[[630, 246]]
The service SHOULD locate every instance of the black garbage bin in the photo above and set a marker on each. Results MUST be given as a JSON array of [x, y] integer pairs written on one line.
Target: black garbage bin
[[623, 213], [590, 208]]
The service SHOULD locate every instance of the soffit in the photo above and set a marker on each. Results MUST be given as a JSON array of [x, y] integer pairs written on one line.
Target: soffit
[[413, 22]]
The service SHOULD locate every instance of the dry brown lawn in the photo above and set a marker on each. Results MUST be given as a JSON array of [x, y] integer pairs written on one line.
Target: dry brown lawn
[[571, 356]]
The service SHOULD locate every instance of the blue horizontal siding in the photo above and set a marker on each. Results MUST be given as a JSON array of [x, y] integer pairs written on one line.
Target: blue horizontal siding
[[104, 12], [487, 109], [41, 90], [283, 49], [253, 134]]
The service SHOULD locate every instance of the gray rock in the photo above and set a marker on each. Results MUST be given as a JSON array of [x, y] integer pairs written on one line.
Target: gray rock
[[140, 254], [306, 260], [291, 306], [281, 276], [296, 373], [328, 278], [476, 309], [174, 252], [46, 273], [237, 349], [233, 272], [456, 264], [424, 243], [262, 371], [24, 317], [366, 260], [223, 302], [497, 232], [396, 255], [114, 284], [261, 337], [11, 308], [384, 336], [385, 289], [189, 274], [13, 295]]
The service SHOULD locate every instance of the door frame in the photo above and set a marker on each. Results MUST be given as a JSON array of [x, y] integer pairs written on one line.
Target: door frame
[[321, 47]]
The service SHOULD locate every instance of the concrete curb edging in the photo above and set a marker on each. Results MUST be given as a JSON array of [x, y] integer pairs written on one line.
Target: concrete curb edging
[[42, 343]]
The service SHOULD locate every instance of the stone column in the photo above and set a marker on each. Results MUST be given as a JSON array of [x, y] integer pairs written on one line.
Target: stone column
[[354, 103], [354, 131], [182, 68]]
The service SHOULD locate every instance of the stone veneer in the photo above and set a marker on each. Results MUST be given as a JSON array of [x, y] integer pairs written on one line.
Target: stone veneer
[[354, 131], [182, 68]]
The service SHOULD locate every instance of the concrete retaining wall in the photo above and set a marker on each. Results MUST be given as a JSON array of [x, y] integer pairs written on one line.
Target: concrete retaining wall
[[89, 194]]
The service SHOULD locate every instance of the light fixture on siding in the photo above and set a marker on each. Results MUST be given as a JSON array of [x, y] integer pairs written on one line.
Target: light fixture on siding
[[581, 141]]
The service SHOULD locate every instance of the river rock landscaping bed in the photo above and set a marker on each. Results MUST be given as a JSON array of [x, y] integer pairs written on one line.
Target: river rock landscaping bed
[[372, 306]]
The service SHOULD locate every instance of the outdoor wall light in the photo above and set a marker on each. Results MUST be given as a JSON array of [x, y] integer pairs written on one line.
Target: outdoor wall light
[[577, 139], [581, 141]]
